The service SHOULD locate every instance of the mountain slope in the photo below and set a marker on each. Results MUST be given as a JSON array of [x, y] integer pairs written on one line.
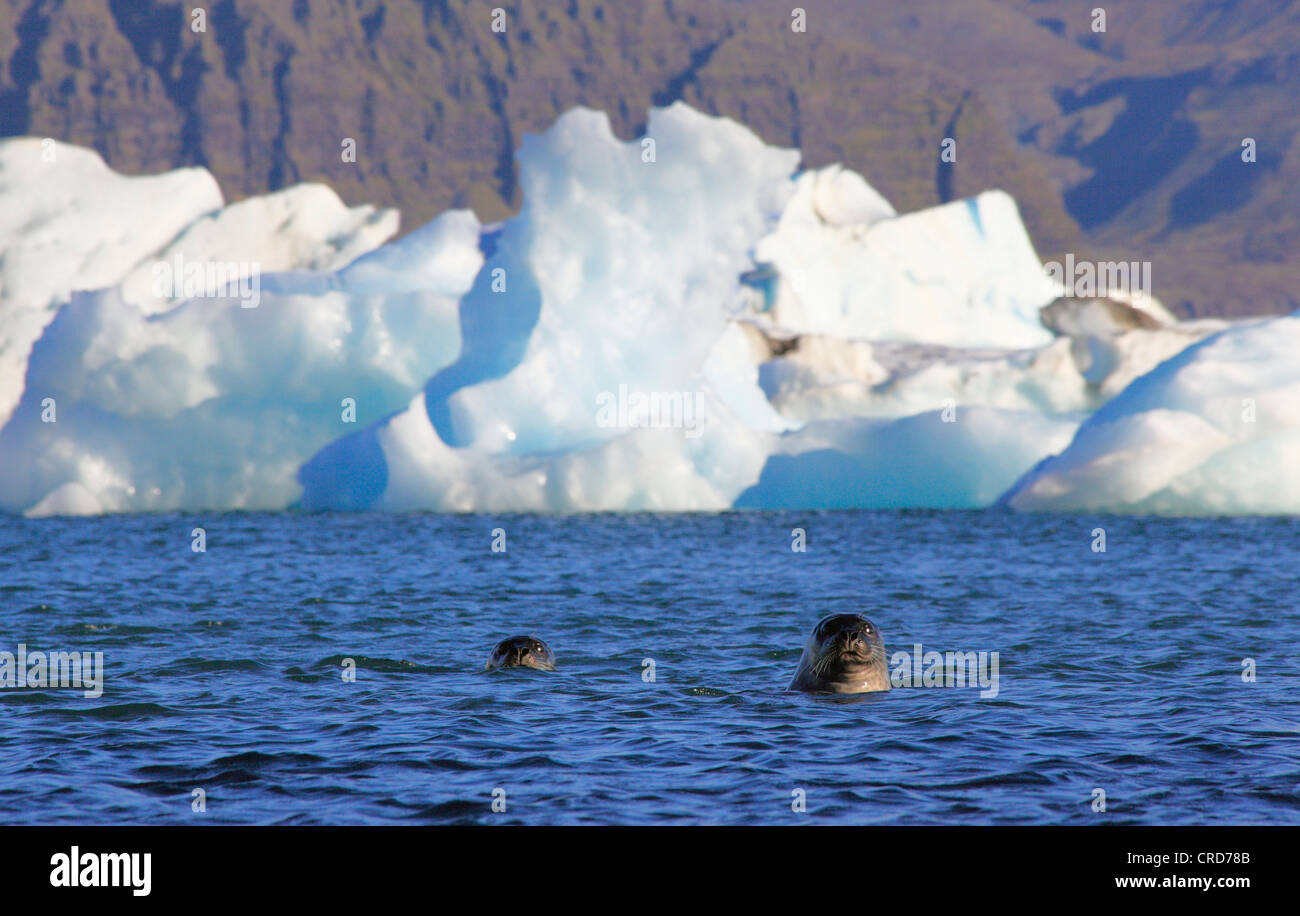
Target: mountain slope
[[1119, 145]]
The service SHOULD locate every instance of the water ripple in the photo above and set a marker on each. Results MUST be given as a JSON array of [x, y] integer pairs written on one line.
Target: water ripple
[[320, 668]]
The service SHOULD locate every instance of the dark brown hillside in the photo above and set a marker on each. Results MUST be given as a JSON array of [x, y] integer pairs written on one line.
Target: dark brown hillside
[[1132, 135]]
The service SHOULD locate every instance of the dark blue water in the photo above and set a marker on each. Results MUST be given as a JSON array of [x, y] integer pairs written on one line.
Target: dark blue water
[[1119, 671]]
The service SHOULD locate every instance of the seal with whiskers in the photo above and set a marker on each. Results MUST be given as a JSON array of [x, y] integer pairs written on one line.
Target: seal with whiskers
[[844, 654]]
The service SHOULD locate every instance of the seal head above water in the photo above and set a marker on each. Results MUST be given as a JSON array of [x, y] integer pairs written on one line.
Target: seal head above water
[[844, 654], [522, 652]]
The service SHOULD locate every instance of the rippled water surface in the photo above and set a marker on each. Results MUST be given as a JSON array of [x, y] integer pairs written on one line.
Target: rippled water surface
[[1119, 671]]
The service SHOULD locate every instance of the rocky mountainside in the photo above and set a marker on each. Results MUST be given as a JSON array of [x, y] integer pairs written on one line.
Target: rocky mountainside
[[1141, 126], [1119, 145]]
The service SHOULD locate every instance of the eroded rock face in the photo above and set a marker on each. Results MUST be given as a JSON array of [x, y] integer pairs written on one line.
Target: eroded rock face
[[437, 103]]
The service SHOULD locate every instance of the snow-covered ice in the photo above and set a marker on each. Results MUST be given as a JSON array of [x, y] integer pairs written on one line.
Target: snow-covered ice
[[209, 404], [961, 274], [1215, 430], [687, 323]]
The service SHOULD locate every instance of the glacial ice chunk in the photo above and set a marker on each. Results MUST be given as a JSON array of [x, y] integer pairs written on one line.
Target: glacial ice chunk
[[212, 405], [962, 274], [919, 461], [621, 269], [1213, 430], [68, 223]]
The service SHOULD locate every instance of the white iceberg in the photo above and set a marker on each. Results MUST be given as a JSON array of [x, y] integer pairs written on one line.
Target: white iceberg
[[619, 274], [682, 322], [624, 274], [962, 274], [1215, 430], [210, 404], [68, 222]]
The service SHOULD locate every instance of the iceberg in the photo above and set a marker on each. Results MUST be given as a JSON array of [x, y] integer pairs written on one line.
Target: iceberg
[[625, 274], [1214, 430], [620, 273], [210, 404], [71, 223], [685, 321], [962, 274]]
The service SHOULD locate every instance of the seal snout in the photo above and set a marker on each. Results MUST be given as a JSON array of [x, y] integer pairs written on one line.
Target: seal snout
[[846, 634], [522, 652], [849, 639]]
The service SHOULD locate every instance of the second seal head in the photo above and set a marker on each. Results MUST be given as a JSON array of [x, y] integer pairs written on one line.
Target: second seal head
[[522, 652]]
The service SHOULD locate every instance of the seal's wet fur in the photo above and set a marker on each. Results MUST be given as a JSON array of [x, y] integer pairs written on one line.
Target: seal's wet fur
[[844, 654], [522, 652]]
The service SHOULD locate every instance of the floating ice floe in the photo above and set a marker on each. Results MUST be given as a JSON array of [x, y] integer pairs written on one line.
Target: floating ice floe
[[679, 322], [622, 274], [1213, 430], [211, 404], [69, 222], [962, 274]]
